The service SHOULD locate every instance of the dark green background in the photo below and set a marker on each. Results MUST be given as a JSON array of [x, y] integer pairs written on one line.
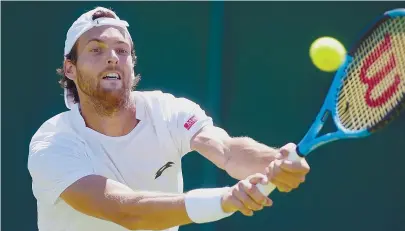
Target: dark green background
[[247, 64]]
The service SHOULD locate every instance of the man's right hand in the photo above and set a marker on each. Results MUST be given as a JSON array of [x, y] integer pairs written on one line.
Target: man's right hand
[[286, 174], [245, 196]]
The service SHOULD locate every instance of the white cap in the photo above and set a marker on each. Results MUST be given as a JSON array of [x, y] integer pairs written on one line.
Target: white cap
[[84, 23]]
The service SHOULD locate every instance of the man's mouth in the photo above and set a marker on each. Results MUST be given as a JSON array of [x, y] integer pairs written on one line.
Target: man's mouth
[[112, 76]]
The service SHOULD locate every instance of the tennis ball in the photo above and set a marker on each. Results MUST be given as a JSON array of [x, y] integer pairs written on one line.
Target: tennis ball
[[327, 54]]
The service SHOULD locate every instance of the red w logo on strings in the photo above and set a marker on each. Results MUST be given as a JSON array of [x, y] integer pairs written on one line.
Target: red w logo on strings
[[375, 79]]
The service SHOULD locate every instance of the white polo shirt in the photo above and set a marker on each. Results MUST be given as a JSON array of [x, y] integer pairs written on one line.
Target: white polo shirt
[[64, 150]]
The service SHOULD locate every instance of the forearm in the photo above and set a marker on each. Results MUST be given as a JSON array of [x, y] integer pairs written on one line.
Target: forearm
[[154, 211], [239, 156], [245, 156], [157, 211], [109, 200]]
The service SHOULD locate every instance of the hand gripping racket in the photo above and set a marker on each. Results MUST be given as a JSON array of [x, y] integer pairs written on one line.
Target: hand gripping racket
[[368, 90]]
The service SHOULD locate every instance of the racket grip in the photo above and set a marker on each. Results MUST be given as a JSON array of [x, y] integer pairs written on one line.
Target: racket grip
[[267, 189]]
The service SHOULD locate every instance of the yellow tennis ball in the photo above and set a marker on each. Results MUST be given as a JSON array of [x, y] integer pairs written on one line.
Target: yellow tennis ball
[[327, 54]]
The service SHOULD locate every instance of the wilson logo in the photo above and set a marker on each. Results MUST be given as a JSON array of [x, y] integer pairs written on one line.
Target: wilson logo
[[378, 76]]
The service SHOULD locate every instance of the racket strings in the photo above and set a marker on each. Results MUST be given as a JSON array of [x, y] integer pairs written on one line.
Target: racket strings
[[375, 84]]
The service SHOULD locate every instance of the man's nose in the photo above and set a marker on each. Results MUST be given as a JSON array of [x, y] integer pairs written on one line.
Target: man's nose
[[112, 58]]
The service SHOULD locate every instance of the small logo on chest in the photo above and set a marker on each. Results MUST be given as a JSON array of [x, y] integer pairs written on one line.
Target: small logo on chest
[[164, 167]]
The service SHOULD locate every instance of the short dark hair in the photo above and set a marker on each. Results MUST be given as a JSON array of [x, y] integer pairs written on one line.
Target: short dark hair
[[67, 83]]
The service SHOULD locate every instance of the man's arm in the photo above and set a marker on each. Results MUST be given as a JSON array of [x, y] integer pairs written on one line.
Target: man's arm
[[239, 156], [109, 200], [106, 199], [243, 156]]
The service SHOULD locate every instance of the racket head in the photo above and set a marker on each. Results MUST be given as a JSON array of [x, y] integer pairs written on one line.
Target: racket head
[[368, 90], [372, 91]]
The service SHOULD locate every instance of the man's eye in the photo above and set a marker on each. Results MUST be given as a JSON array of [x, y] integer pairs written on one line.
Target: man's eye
[[123, 51]]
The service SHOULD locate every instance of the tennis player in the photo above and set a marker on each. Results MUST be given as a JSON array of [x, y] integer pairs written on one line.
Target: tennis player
[[113, 161]]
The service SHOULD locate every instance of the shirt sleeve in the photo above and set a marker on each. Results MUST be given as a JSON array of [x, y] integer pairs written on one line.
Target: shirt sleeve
[[55, 162], [186, 119]]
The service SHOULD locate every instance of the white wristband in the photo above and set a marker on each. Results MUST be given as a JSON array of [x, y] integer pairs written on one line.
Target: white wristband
[[204, 205]]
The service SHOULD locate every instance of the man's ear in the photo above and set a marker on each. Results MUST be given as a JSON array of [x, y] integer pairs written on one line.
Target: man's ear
[[70, 69]]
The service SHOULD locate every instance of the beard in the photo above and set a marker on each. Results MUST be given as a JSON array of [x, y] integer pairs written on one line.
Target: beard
[[105, 101]]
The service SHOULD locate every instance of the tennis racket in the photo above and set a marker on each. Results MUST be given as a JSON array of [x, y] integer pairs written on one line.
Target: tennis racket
[[368, 90]]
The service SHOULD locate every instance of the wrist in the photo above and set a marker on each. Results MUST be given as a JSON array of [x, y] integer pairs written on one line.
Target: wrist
[[205, 205], [225, 205]]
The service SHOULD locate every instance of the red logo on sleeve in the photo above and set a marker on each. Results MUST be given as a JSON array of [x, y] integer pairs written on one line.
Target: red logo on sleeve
[[190, 122]]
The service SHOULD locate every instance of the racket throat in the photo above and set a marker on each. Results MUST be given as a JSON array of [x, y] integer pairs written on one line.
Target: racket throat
[[318, 134]]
